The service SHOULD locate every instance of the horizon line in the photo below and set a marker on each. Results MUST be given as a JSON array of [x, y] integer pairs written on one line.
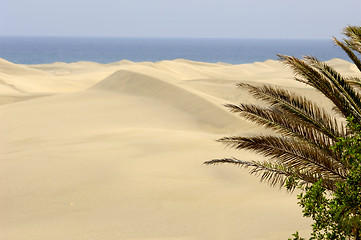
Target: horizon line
[[155, 37]]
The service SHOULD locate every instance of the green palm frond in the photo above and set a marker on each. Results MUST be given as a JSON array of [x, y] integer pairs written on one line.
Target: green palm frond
[[349, 52], [340, 83], [310, 74], [289, 152], [305, 73], [275, 173], [355, 82], [354, 35], [283, 123], [302, 109]]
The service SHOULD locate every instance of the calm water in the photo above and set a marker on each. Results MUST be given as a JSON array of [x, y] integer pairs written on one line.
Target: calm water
[[35, 50]]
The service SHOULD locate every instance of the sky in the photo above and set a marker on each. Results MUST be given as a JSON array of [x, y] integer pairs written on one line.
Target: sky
[[280, 19]]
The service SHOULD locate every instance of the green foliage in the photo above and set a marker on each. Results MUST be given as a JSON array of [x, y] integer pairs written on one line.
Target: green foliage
[[296, 236], [337, 214]]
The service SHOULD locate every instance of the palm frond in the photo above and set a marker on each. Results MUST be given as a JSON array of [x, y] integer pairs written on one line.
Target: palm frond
[[354, 35], [301, 108], [275, 173], [283, 123], [289, 152], [305, 73], [312, 76], [349, 52], [354, 81], [341, 84]]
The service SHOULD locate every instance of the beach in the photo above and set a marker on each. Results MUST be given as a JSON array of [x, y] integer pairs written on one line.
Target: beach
[[116, 151]]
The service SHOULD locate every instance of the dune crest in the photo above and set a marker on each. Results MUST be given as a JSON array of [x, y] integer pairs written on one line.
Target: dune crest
[[10, 68], [202, 110]]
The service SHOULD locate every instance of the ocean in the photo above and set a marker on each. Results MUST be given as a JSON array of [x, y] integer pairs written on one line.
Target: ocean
[[37, 50]]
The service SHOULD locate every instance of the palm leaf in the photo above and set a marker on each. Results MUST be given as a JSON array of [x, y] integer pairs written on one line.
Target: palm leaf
[[302, 109], [282, 122], [290, 153], [341, 84], [275, 173], [354, 35], [310, 75], [349, 52], [355, 81]]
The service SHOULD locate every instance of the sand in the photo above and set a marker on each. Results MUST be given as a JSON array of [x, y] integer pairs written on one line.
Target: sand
[[116, 151]]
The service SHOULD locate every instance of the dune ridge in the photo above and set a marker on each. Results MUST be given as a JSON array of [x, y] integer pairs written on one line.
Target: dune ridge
[[206, 112], [115, 151]]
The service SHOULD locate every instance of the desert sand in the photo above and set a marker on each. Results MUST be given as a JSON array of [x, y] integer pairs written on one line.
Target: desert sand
[[116, 151]]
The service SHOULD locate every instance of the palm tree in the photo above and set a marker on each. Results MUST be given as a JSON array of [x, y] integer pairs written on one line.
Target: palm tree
[[304, 132]]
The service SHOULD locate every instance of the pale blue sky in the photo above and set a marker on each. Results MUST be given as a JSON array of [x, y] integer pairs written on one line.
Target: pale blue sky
[[318, 19]]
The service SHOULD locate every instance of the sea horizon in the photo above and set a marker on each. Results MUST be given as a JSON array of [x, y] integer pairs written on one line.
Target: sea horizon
[[49, 49]]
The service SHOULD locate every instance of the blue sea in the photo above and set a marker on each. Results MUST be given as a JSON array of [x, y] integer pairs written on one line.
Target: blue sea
[[37, 50]]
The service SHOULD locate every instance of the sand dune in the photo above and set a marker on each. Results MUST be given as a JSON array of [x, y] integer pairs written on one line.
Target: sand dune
[[7, 67], [115, 151], [204, 112]]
